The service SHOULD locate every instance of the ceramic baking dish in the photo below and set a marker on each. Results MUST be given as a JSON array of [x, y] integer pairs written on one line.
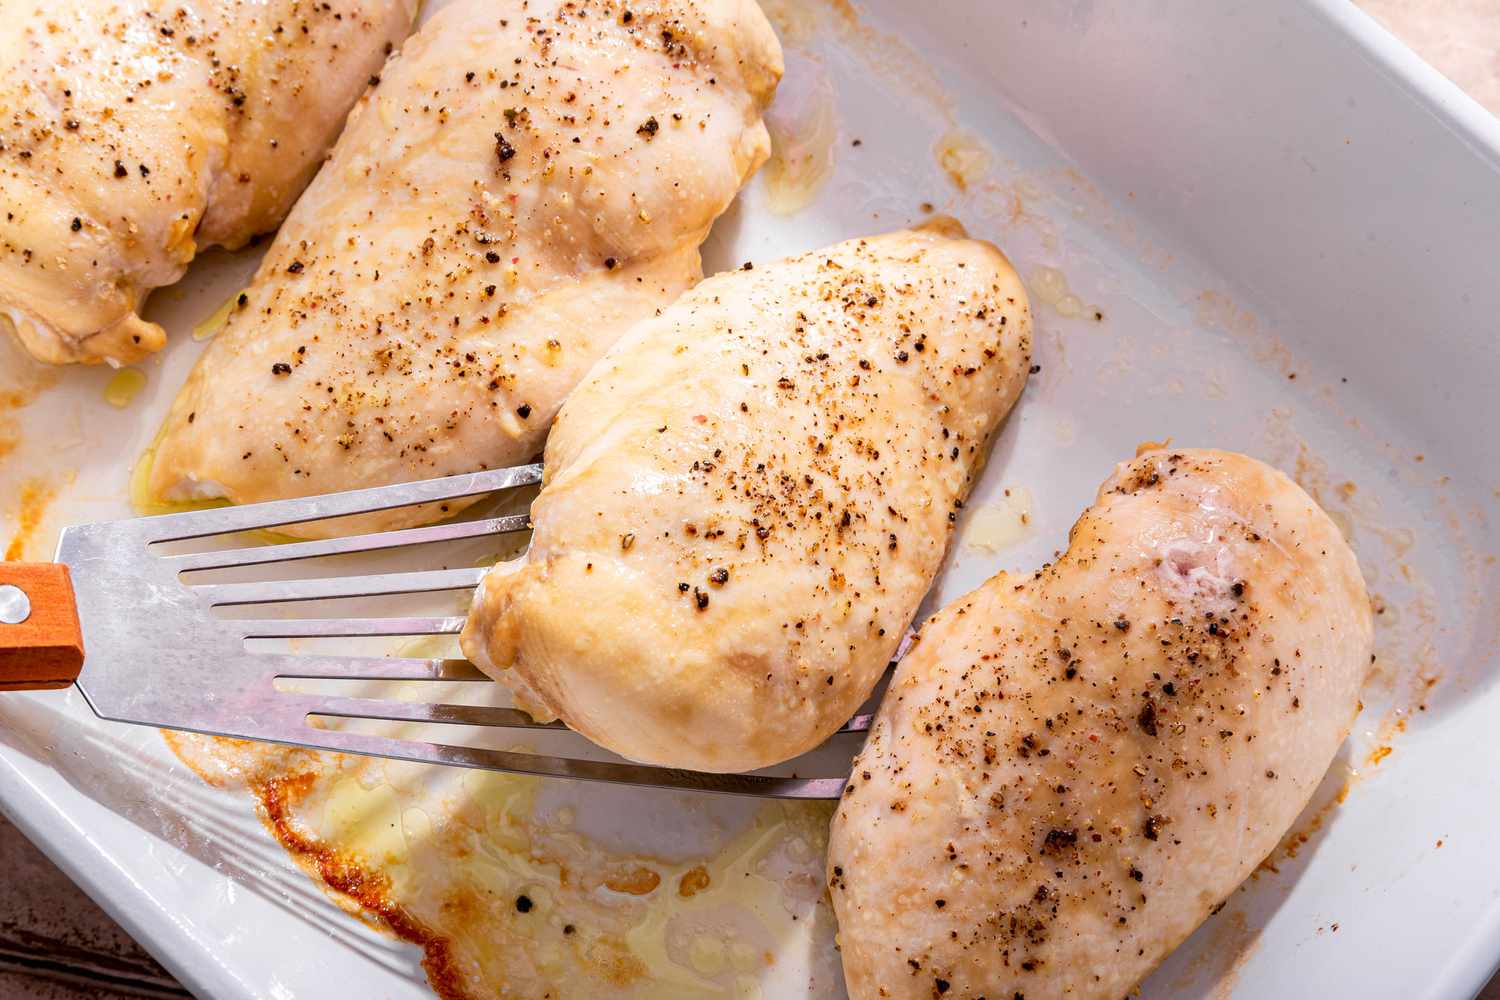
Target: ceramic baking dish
[[1264, 226]]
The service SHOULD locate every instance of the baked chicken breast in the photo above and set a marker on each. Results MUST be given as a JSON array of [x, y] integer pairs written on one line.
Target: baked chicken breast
[[1073, 768], [134, 132], [528, 180], [747, 498]]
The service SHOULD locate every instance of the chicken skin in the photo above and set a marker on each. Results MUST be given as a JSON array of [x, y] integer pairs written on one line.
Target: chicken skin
[[1073, 768], [134, 132], [528, 181], [747, 498]]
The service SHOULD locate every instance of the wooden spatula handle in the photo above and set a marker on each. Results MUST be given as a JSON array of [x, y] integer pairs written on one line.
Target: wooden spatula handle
[[44, 649]]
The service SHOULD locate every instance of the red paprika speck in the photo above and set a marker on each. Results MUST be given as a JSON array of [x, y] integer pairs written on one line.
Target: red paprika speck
[[699, 418], [515, 260], [1093, 737]]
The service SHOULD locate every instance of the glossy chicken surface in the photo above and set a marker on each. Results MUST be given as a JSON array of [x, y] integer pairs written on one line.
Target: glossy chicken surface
[[528, 180], [1073, 768], [135, 132], [748, 497]]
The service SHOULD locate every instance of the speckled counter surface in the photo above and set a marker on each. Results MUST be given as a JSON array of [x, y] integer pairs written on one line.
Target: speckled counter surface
[[55, 944], [1460, 37]]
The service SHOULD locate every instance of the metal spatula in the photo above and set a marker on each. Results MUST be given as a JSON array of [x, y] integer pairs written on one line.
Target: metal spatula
[[115, 617]]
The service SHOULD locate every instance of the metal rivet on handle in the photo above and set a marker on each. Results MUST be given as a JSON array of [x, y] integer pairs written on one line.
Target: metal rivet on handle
[[15, 606]]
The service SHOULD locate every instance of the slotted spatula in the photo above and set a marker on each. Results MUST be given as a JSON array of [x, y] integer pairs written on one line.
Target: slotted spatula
[[144, 646]]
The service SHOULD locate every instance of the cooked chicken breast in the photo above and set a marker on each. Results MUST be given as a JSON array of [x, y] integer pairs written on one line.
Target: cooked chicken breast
[[1073, 768], [134, 132], [529, 179], [747, 498]]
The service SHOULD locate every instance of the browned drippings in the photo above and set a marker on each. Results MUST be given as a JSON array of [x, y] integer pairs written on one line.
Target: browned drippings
[[504, 902], [32, 501], [22, 382], [693, 881]]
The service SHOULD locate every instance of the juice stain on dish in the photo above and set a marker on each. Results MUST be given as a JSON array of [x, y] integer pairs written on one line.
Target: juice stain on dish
[[1050, 285], [32, 501], [993, 527], [123, 386], [811, 26], [208, 328], [964, 157], [804, 130], [1407, 621], [512, 886], [22, 380]]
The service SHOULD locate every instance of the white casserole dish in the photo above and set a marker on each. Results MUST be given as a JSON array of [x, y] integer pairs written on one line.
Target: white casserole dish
[[1291, 227]]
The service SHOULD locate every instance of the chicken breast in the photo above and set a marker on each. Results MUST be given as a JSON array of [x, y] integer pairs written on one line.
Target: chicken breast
[[133, 132], [747, 498], [529, 180], [1073, 768]]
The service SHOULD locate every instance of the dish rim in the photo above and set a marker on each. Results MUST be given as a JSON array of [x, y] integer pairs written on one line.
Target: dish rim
[[199, 967]]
